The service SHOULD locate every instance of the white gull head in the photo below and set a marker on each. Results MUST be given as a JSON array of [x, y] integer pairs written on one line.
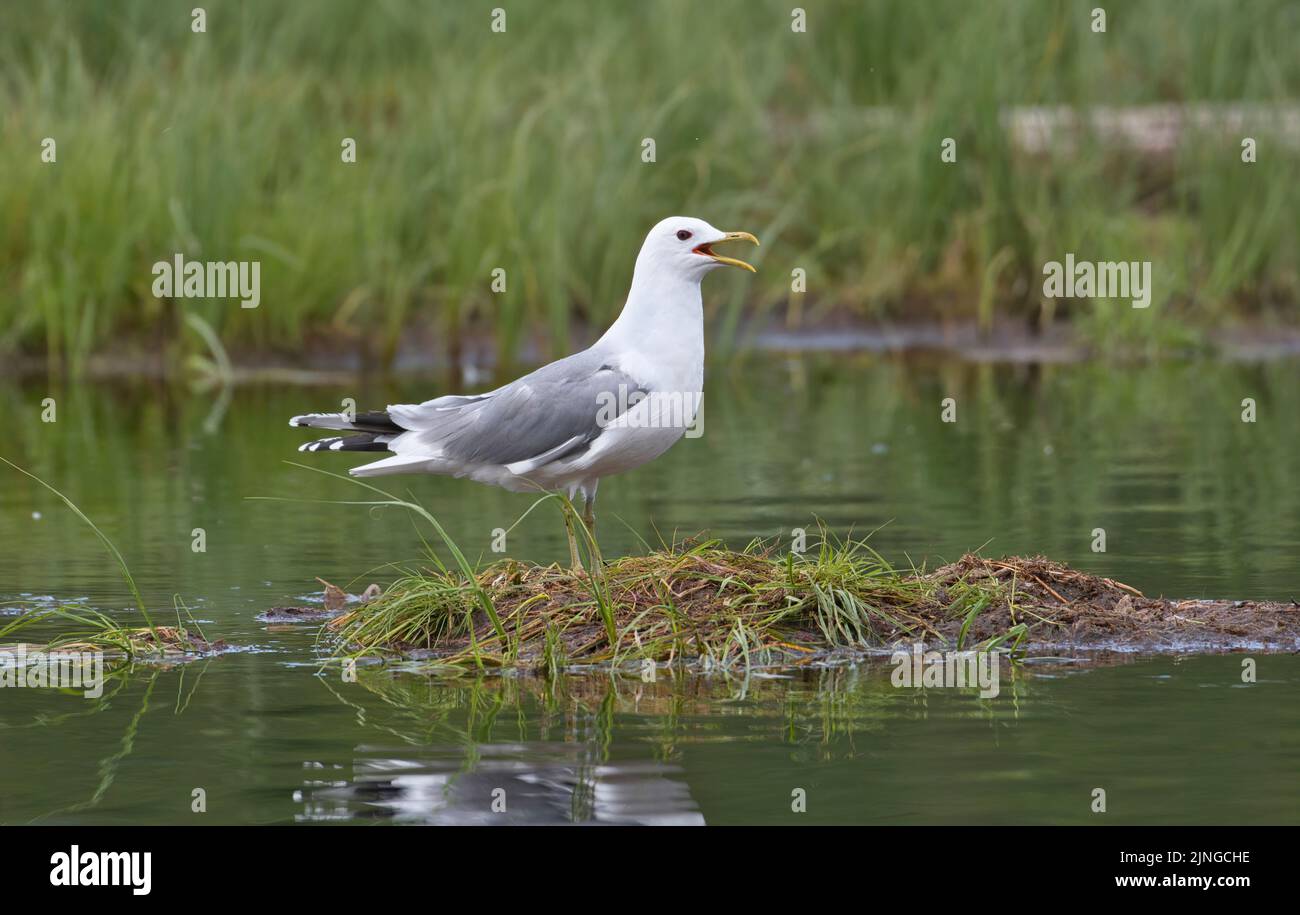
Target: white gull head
[[681, 247]]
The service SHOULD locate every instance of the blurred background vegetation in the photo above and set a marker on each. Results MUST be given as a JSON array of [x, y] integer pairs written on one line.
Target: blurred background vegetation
[[523, 150]]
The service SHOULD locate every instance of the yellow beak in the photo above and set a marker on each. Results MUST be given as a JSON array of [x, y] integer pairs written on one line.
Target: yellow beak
[[707, 250]]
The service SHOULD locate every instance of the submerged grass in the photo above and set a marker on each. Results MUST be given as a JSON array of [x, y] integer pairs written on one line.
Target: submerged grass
[[478, 149]]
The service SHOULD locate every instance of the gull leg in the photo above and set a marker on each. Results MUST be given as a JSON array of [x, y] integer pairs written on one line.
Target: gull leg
[[589, 521], [574, 561]]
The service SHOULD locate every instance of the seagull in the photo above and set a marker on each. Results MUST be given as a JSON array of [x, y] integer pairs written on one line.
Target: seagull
[[610, 408]]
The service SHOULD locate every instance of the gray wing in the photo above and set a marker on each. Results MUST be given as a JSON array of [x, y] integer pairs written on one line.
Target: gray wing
[[544, 416]]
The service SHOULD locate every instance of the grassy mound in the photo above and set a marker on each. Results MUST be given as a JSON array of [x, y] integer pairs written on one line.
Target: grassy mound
[[706, 604]]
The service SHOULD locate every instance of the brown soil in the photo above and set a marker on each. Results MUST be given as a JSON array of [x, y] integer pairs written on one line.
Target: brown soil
[[1081, 611]]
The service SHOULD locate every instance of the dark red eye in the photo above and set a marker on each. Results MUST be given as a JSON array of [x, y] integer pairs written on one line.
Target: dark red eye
[[682, 235]]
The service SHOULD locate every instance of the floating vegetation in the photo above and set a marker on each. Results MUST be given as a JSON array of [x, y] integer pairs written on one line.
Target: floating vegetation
[[705, 605], [94, 631]]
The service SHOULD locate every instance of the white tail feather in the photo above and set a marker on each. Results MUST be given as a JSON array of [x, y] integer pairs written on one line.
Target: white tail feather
[[324, 421], [398, 463]]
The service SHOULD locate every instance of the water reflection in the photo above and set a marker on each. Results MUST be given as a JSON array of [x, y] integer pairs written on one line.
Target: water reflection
[[594, 748], [267, 741], [535, 783]]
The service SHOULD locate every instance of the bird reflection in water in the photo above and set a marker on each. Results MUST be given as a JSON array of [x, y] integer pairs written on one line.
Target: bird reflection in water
[[503, 784]]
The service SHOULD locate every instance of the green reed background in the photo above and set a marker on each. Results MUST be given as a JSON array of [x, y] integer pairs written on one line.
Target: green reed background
[[522, 150]]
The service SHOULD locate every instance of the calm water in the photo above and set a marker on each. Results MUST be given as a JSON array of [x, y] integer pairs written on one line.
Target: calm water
[[1194, 502]]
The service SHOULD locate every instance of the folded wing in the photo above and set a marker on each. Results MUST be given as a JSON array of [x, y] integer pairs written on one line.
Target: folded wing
[[544, 416]]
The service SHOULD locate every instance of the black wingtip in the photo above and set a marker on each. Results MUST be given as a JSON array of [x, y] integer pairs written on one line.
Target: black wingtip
[[365, 441]]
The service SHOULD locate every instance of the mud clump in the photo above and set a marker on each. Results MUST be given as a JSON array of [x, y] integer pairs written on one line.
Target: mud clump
[[1066, 608], [172, 639]]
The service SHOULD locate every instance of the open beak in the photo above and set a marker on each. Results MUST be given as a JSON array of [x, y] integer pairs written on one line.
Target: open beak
[[707, 249]]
